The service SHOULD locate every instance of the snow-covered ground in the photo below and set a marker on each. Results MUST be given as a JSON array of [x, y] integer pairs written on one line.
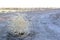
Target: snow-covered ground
[[42, 25]]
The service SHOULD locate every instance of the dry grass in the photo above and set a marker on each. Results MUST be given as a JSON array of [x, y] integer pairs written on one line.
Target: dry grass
[[23, 9]]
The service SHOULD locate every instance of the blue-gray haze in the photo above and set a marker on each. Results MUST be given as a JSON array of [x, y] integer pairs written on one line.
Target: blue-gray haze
[[43, 25]]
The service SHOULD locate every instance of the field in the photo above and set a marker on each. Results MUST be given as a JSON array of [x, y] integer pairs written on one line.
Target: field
[[30, 25]]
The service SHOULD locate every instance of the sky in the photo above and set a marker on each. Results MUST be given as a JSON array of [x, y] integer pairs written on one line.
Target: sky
[[30, 3]]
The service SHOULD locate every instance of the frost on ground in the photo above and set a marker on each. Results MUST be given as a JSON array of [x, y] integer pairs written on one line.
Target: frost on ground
[[30, 25]]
